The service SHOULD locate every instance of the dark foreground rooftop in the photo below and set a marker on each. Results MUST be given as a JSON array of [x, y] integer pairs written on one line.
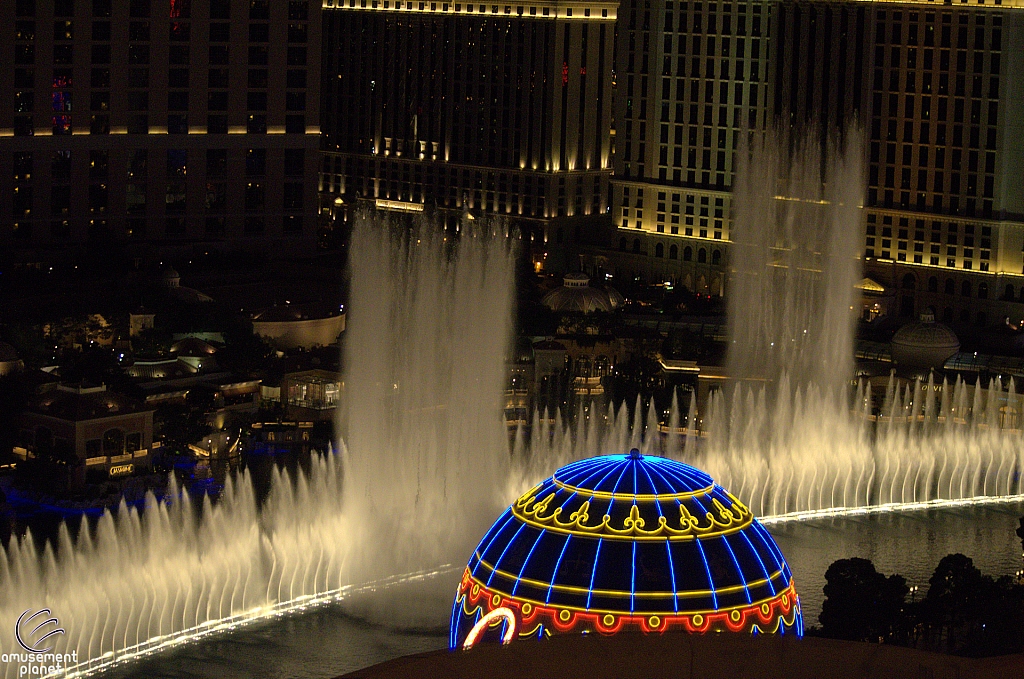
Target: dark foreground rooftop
[[681, 656]]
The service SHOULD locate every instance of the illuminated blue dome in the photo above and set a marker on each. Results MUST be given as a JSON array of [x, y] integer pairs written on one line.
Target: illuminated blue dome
[[625, 541]]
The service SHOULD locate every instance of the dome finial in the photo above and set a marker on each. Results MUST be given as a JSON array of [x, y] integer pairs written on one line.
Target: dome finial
[[634, 454]]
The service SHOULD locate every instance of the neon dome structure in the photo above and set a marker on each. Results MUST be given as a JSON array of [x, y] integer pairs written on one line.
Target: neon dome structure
[[624, 542]]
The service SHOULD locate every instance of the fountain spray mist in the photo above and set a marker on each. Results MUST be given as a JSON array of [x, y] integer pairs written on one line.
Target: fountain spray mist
[[430, 326], [796, 236]]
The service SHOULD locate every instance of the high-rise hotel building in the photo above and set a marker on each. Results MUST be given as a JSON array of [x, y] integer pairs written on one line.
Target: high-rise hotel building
[[938, 88], [169, 123], [449, 107]]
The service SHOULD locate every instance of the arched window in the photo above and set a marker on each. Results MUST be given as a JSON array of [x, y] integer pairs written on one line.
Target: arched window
[[983, 291], [965, 289], [702, 256], [659, 250], [113, 442], [950, 286], [636, 246], [909, 282], [933, 284], [947, 315], [1008, 293], [687, 253], [965, 316], [622, 244], [673, 252], [716, 257], [982, 319]]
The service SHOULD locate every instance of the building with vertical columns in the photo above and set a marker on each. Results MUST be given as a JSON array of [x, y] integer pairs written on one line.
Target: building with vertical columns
[[447, 107], [938, 89], [172, 124]]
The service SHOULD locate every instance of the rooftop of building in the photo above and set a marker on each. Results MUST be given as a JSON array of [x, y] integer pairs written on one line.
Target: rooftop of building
[[80, 402]]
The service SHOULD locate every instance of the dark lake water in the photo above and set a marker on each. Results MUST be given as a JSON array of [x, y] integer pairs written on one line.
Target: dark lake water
[[333, 640]]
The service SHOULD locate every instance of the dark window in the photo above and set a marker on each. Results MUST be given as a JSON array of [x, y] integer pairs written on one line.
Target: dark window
[[297, 33], [177, 77], [26, 54], [295, 124], [295, 101], [293, 196], [296, 56], [101, 54], [257, 124], [177, 101], [218, 77], [138, 101], [298, 10], [220, 9], [218, 55], [138, 31], [257, 77], [296, 78], [220, 32], [256, 101], [217, 101], [294, 162], [258, 55], [258, 10], [138, 54], [100, 77], [138, 124], [177, 124], [702, 256], [217, 124], [101, 30], [99, 124], [254, 224], [216, 162], [99, 101], [177, 54], [139, 8], [259, 33], [256, 162]]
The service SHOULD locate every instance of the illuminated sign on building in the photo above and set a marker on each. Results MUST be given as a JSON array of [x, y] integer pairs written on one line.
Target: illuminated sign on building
[[122, 469]]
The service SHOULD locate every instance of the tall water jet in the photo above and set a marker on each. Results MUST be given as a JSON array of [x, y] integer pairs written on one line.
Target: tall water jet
[[794, 259], [430, 326]]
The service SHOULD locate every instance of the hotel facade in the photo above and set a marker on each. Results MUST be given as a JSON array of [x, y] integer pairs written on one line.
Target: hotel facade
[[938, 89], [452, 107], [165, 123]]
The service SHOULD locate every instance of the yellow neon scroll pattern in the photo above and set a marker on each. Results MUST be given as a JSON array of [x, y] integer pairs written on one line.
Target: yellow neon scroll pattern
[[722, 521]]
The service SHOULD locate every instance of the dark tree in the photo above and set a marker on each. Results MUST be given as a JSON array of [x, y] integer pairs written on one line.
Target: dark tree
[[860, 603], [182, 424], [1020, 533], [954, 598]]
